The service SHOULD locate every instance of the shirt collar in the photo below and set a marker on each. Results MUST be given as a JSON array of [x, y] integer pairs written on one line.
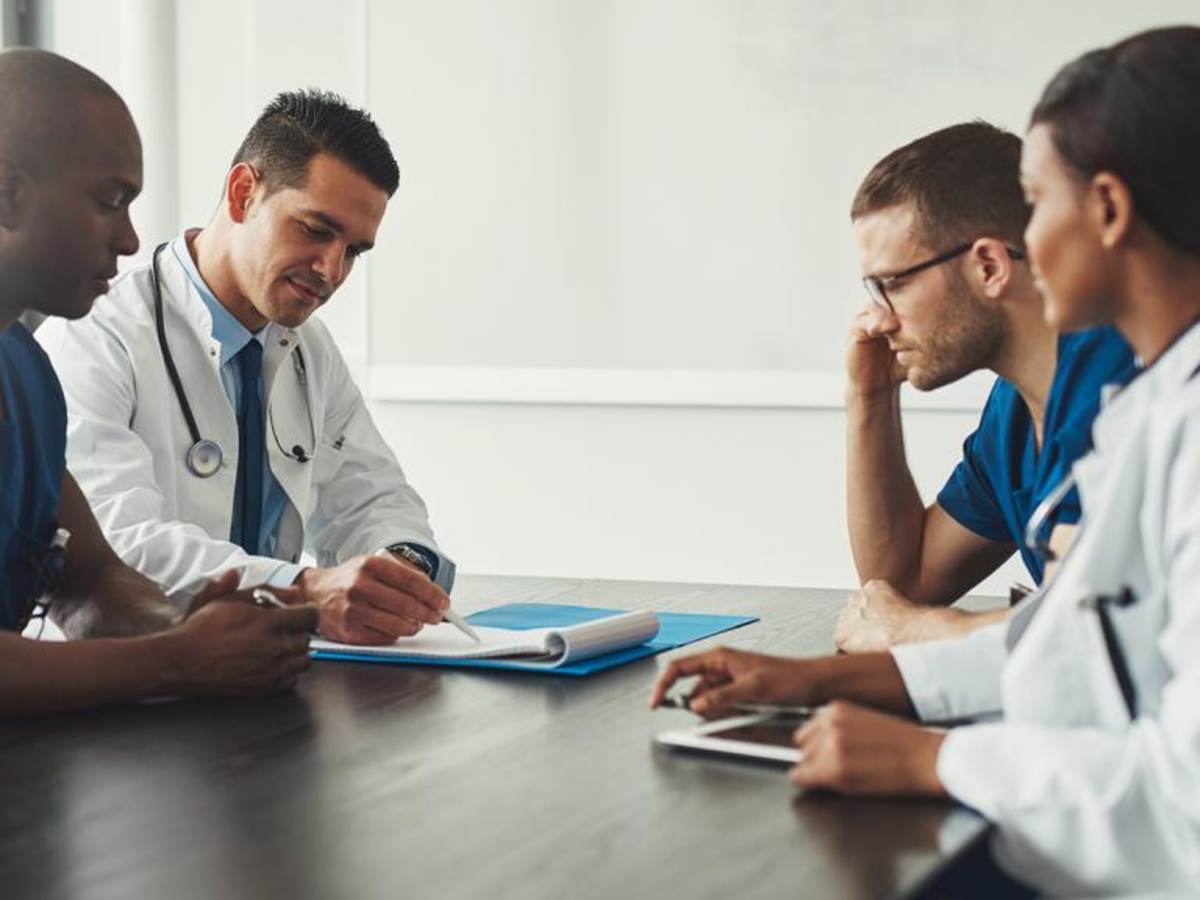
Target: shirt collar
[[231, 334], [1179, 361], [1175, 366]]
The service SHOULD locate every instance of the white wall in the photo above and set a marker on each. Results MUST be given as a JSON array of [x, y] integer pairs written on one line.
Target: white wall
[[603, 324], [690, 494]]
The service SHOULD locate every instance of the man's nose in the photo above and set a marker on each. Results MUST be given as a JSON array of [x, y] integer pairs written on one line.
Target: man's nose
[[881, 320], [331, 265], [125, 241]]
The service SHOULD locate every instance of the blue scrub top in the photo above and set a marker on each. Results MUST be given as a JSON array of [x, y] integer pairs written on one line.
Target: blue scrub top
[[33, 461], [1002, 477]]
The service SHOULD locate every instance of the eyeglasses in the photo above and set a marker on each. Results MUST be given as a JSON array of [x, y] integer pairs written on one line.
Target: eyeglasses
[[877, 285]]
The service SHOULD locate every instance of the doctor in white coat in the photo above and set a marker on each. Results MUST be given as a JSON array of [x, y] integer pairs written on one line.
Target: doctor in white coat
[[1092, 771], [213, 423]]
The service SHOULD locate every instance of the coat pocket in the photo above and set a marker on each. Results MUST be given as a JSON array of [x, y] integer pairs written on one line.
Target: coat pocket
[[1102, 605]]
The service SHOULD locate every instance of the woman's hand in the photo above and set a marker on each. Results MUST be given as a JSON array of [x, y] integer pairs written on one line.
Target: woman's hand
[[852, 750], [729, 676]]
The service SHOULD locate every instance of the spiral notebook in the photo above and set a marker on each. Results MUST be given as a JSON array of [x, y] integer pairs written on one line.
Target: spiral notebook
[[532, 647], [552, 638]]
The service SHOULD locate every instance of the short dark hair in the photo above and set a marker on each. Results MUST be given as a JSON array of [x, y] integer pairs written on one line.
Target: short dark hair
[[1131, 109], [297, 125], [963, 181]]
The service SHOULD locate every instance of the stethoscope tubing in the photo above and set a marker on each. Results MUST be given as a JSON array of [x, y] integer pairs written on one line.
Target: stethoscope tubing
[[204, 456]]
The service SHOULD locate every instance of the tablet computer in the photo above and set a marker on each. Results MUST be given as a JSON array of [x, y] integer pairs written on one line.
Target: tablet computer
[[762, 736]]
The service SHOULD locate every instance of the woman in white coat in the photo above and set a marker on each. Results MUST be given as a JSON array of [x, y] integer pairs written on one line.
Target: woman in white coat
[[1092, 772]]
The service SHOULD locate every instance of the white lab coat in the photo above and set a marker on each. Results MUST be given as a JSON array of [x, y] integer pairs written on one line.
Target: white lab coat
[[128, 440], [1086, 799]]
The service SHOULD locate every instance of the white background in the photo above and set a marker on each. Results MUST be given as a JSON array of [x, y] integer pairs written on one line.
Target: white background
[[603, 326]]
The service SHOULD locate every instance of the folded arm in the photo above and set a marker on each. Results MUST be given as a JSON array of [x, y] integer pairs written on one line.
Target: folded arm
[[54, 676], [101, 596]]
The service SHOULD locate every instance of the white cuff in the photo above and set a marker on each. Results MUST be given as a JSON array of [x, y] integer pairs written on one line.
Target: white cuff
[[955, 678], [285, 575]]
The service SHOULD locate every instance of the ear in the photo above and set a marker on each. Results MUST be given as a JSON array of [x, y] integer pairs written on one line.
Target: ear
[[14, 194], [1110, 209], [241, 186], [992, 267]]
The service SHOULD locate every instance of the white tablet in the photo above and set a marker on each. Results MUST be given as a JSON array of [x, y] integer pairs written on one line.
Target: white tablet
[[761, 736]]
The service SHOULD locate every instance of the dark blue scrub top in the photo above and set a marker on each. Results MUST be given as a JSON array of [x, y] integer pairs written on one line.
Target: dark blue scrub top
[[33, 460], [1002, 477]]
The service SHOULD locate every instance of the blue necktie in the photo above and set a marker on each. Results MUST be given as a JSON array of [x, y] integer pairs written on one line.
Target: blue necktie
[[247, 513]]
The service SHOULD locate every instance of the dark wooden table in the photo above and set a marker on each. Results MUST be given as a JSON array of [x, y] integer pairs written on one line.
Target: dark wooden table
[[380, 781]]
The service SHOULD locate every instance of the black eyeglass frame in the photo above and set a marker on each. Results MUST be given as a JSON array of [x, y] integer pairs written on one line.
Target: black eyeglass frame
[[877, 285]]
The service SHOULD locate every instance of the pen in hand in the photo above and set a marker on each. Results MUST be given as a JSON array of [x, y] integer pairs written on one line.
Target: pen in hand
[[461, 624], [266, 598], [672, 702], [449, 615]]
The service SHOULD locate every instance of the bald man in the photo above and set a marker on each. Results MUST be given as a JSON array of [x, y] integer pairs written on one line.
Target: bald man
[[70, 165]]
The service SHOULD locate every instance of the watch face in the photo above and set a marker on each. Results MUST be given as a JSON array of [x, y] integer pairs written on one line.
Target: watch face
[[408, 554]]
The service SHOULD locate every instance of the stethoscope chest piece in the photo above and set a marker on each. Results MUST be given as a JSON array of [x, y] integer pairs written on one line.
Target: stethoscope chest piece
[[204, 458]]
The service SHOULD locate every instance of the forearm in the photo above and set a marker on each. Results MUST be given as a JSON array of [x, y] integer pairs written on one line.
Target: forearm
[[871, 679], [182, 558], [100, 596], [937, 623], [55, 676], [111, 600], [884, 508]]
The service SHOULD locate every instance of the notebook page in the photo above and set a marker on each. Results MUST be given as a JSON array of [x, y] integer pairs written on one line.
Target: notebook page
[[444, 641], [605, 635]]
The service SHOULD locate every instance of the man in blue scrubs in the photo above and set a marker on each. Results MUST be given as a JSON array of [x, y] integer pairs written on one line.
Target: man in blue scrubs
[[940, 225], [70, 164]]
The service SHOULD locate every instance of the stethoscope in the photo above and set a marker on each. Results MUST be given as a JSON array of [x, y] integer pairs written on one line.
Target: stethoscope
[[1051, 502], [1101, 604], [204, 456], [1041, 515]]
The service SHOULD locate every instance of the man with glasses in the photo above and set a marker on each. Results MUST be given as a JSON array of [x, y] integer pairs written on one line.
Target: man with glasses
[[939, 223]]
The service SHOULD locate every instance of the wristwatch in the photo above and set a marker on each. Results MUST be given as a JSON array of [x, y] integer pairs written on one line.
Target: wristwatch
[[411, 554]]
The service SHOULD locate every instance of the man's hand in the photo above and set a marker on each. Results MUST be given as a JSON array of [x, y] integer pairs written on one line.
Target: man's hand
[[871, 366], [729, 676], [876, 618], [224, 587], [879, 617], [372, 599], [852, 750], [229, 646]]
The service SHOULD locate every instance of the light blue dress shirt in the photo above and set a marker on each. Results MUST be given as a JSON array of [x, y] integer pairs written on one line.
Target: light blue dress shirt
[[232, 335]]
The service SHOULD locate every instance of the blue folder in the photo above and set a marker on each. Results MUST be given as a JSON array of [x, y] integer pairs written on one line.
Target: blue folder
[[674, 630]]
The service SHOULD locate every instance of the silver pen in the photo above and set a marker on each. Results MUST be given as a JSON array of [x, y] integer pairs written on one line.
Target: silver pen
[[768, 709], [266, 598], [461, 624], [803, 712]]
